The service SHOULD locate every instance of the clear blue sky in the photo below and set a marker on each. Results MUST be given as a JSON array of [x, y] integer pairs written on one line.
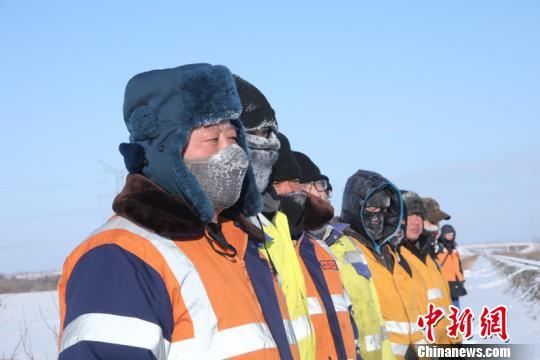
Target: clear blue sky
[[440, 97]]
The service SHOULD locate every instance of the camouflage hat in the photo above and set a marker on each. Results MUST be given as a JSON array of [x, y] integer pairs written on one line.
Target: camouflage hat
[[434, 212]]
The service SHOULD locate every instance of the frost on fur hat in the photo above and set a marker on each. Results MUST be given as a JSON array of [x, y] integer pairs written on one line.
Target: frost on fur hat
[[413, 203], [162, 107]]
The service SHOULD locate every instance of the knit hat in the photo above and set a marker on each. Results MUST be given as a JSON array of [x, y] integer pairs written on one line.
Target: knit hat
[[286, 166], [434, 212], [310, 171], [161, 108], [413, 203], [256, 110]]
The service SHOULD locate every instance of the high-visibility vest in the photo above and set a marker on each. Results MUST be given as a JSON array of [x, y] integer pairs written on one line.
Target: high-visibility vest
[[437, 276], [373, 340], [220, 305], [450, 265], [446, 301], [398, 306], [407, 288], [291, 278], [327, 300], [430, 290]]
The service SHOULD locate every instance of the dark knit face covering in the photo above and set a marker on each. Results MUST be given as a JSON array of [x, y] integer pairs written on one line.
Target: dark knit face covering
[[293, 205], [374, 221], [360, 188]]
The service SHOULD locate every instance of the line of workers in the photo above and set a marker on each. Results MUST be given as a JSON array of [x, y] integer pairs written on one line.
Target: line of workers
[[224, 243]]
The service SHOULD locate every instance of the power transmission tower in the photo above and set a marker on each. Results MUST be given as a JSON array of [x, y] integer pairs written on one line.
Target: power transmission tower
[[119, 175]]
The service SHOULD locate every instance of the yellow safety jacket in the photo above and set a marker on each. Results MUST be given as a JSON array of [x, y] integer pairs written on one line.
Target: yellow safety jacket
[[398, 304], [358, 281], [427, 279], [283, 255]]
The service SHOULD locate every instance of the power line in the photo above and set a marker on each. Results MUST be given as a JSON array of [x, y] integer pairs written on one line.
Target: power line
[[44, 216], [16, 185]]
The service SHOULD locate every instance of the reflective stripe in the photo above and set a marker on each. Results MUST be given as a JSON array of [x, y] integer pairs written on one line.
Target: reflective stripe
[[415, 328], [434, 293], [340, 302], [207, 338], [191, 286], [314, 307], [302, 328], [398, 327], [226, 343], [399, 349], [115, 329], [373, 342], [289, 329]]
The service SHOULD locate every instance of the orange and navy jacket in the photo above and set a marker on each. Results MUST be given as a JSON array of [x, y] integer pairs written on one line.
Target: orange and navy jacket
[[128, 293], [328, 302]]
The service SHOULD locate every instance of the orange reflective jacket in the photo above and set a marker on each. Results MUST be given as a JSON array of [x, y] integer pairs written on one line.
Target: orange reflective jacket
[[211, 302], [330, 340]]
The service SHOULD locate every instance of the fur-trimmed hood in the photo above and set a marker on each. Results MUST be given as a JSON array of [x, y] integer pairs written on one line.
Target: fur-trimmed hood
[[162, 107]]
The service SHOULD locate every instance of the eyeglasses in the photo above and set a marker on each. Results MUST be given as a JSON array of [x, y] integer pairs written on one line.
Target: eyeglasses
[[320, 185]]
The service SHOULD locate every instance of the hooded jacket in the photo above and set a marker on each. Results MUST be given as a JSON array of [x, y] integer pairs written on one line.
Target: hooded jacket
[[358, 281], [359, 189], [450, 263], [391, 273]]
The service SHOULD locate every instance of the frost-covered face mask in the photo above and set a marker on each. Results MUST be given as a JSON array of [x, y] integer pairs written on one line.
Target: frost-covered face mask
[[221, 175], [374, 221], [264, 154]]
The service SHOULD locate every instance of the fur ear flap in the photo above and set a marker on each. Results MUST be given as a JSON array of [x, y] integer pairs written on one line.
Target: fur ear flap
[[143, 124], [133, 157]]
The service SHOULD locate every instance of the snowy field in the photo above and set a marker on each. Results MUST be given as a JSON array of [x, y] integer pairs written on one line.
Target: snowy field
[[29, 322], [490, 287]]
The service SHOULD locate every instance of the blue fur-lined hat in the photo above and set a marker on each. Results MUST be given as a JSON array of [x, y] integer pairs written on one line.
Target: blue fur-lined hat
[[161, 108]]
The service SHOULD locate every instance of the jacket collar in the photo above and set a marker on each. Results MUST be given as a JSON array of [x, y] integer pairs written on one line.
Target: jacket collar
[[151, 207]]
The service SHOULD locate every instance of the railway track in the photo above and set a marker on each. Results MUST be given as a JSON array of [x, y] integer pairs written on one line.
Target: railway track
[[530, 264]]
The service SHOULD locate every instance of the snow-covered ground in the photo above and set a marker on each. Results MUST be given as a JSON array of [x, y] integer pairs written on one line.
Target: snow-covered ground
[[487, 286], [37, 313], [28, 324]]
